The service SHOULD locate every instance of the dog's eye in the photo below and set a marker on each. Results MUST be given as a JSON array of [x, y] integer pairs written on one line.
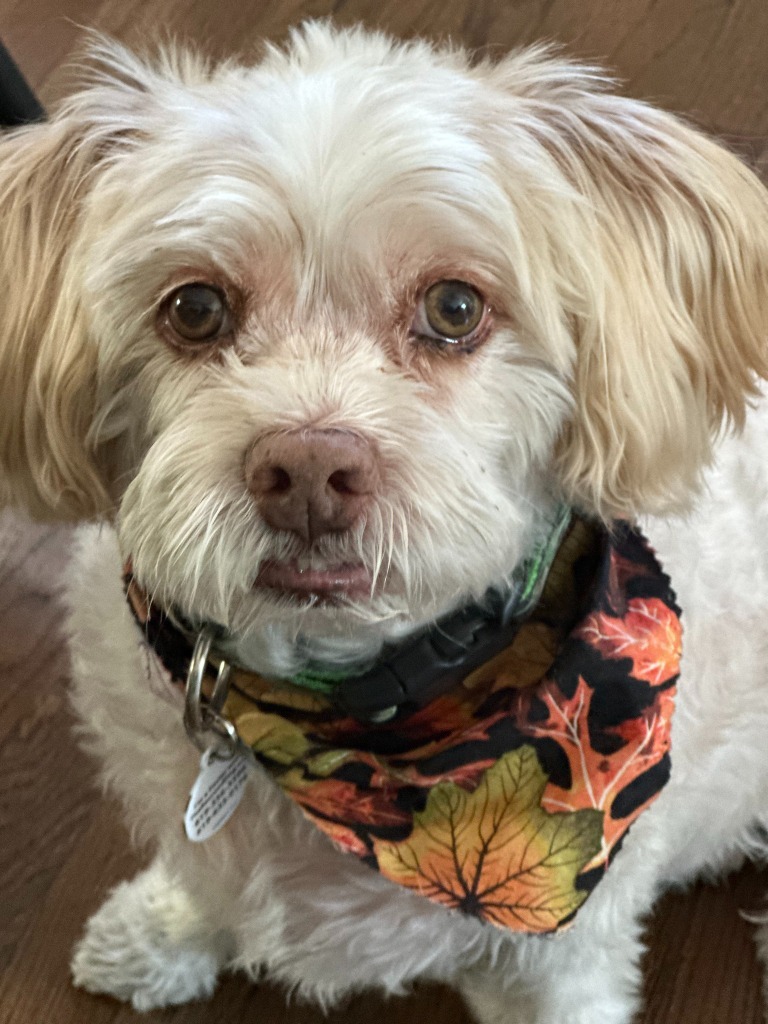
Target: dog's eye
[[198, 313], [449, 311]]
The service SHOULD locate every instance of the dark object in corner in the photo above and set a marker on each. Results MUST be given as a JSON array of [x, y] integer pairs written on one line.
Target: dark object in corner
[[18, 104]]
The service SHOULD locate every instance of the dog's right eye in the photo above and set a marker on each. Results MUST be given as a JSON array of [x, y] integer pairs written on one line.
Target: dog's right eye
[[198, 313]]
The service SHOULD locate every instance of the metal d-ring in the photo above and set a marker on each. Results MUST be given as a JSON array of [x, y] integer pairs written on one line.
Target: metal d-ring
[[203, 719]]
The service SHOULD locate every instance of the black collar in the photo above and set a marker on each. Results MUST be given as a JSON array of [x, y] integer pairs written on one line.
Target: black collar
[[407, 675]]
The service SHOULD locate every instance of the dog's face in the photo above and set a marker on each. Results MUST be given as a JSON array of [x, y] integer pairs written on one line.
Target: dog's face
[[326, 337], [311, 332]]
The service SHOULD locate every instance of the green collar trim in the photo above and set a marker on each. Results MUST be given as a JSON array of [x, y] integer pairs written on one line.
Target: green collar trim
[[321, 680]]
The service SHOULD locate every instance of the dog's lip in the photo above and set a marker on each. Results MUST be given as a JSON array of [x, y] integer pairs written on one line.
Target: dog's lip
[[347, 579]]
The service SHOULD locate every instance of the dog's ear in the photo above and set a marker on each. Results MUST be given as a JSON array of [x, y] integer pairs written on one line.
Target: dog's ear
[[49, 462], [657, 241], [47, 365]]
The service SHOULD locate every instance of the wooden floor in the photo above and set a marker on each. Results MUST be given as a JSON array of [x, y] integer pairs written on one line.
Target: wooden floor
[[61, 845]]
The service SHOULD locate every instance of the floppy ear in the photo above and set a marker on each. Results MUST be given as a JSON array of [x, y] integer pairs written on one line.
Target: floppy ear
[[47, 364], [49, 462], [658, 242]]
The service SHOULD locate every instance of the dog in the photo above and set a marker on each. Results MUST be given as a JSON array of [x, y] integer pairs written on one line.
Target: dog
[[320, 351]]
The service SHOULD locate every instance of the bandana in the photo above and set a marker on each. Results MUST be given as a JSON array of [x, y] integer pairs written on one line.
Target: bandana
[[507, 797]]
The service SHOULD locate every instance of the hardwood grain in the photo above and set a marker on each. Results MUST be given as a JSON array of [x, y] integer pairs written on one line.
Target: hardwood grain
[[61, 846], [705, 58]]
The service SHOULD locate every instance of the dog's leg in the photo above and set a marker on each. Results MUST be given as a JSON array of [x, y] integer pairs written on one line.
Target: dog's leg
[[588, 975], [150, 944], [592, 996], [594, 986], [492, 1003]]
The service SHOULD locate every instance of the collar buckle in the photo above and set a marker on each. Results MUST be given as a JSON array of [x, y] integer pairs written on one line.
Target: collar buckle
[[443, 655]]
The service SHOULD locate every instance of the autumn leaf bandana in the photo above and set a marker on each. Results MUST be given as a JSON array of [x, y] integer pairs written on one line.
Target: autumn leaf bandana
[[507, 797]]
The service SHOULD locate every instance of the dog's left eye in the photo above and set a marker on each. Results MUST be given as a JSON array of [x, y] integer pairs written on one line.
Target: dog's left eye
[[198, 313], [449, 312]]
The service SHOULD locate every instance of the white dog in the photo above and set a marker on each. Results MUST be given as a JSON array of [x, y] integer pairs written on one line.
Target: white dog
[[329, 343]]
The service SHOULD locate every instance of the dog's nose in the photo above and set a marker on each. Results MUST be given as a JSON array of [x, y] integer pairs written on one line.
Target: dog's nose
[[312, 481]]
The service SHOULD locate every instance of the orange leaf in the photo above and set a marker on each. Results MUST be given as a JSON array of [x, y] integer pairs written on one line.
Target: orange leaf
[[649, 633], [338, 801], [596, 778]]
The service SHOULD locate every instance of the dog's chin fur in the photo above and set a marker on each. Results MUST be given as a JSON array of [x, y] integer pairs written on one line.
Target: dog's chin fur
[[460, 504], [623, 261]]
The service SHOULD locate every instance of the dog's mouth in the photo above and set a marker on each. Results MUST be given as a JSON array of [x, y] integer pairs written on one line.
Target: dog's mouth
[[329, 584]]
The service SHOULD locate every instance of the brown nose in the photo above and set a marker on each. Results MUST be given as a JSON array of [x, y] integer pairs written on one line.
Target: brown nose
[[312, 481]]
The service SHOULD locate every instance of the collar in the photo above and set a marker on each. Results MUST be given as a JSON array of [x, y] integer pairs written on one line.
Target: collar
[[407, 675], [507, 795]]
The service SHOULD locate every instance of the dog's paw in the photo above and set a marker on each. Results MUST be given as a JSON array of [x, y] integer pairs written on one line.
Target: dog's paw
[[519, 1009], [488, 1005], [494, 1003], [147, 946]]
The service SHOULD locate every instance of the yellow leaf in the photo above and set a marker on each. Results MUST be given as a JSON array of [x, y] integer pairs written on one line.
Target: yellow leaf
[[272, 737], [252, 687], [329, 761], [522, 664], [495, 852]]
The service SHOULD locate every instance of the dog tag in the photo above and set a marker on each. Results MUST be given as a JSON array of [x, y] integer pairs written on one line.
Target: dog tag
[[217, 791]]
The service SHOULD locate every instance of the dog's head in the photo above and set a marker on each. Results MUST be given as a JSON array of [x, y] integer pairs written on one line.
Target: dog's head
[[327, 335]]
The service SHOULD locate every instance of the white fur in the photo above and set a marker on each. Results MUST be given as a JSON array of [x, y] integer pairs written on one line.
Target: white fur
[[624, 259], [303, 912]]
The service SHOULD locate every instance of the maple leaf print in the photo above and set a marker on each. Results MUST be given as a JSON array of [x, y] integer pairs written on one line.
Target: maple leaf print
[[272, 737], [444, 716], [247, 687], [388, 776], [334, 800], [598, 778], [649, 633], [522, 664], [343, 838], [494, 852]]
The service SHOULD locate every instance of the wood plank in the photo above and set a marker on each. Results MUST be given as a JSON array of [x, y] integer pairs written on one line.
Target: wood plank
[[32, 715], [680, 53], [701, 968]]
